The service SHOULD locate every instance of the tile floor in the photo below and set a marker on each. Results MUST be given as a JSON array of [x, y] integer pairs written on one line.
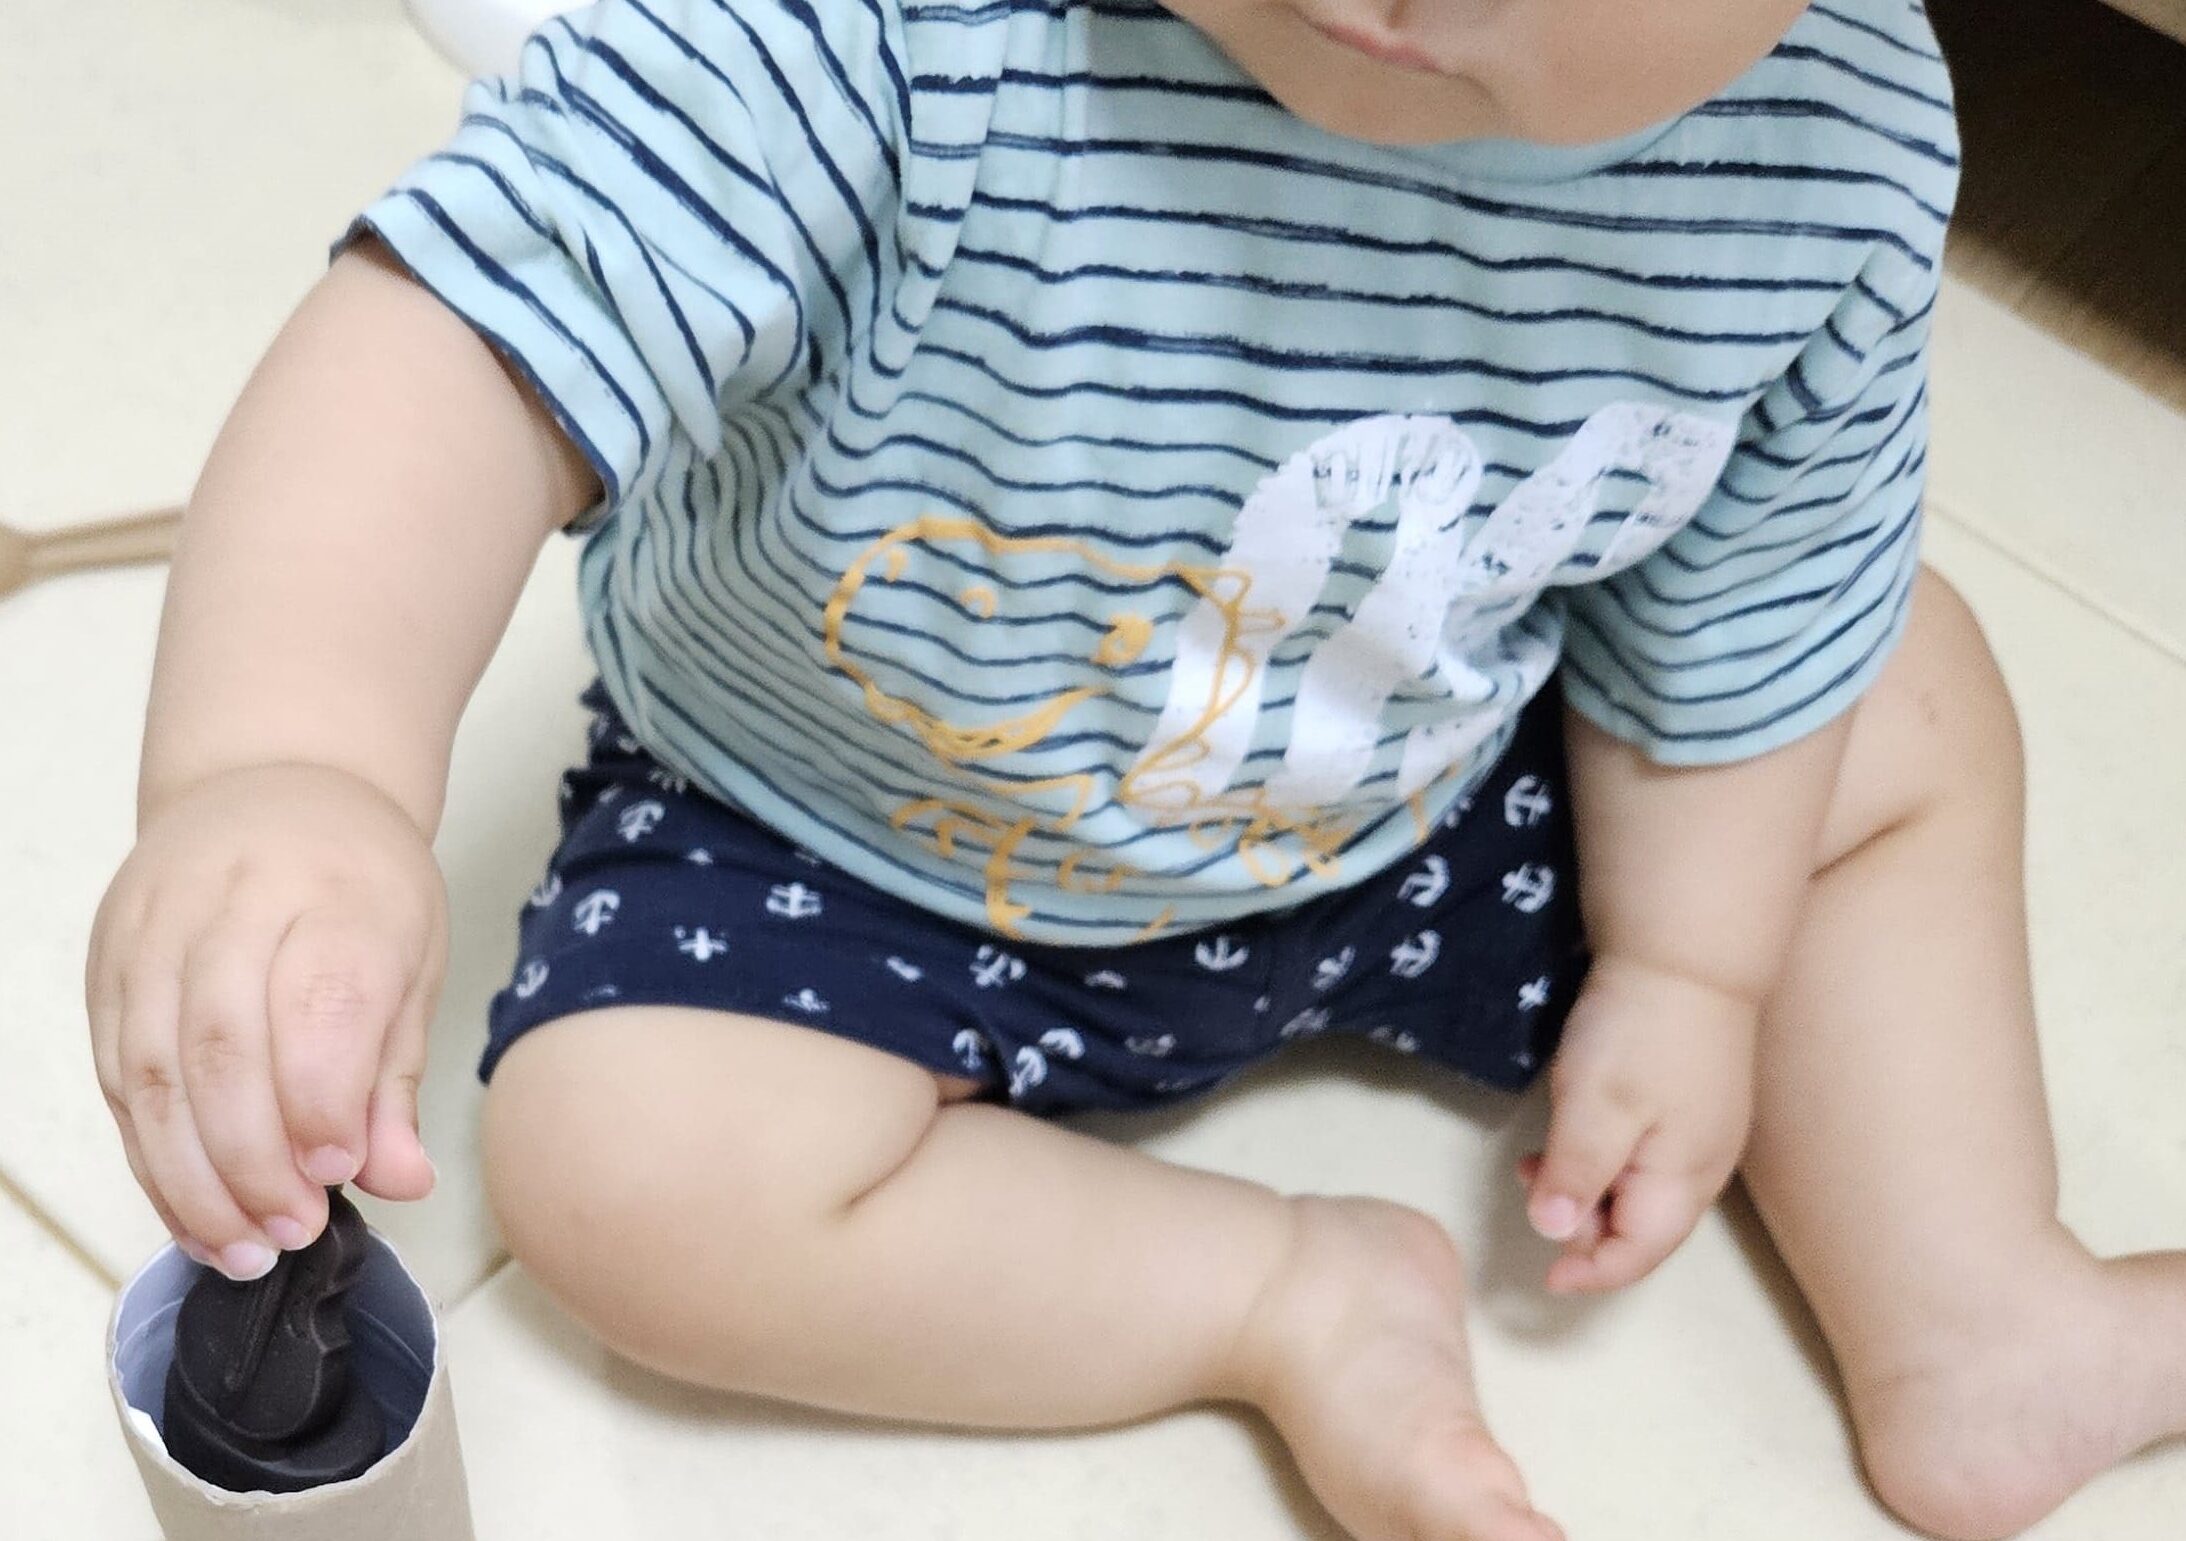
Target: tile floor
[[189, 166]]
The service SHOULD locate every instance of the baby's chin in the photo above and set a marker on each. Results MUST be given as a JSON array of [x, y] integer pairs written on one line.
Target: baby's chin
[[1383, 105]]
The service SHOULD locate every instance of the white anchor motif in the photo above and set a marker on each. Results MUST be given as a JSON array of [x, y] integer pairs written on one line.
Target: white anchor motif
[[1221, 954], [597, 730], [1527, 802], [1329, 970], [806, 1000], [699, 858], [1063, 1041], [1263, 1003], [1458, 810], [793, 901], [700, 944], [971, 1047], [993, 968], [528, 982], [1160, 1048], [1427, 885], [909, 973], [601, 993], [1415, 955], [668, 780], [1523, 1059], [1030, 1070], [1106, 979], [1314, 1019], [549, 890], [1533, 994], [1404, 1043], [626, 743], [1528, 889], [639, 819], [607, 797], [595, 910], [567, 792]]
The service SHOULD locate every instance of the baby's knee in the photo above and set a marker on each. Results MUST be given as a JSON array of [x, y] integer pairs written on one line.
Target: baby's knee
[[668, 1175], [614, 1205]]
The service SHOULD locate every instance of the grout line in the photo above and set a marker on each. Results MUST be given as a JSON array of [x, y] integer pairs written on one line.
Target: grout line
[[494, 1269], [2045, 573], [39, 1215]]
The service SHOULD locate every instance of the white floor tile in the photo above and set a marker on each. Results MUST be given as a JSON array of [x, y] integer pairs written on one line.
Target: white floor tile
[[191, 167], [65, 1472], [1694, 1406], [2061, 462]]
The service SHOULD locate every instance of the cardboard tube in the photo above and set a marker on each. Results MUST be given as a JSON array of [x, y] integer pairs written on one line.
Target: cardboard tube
[[416, 1491]]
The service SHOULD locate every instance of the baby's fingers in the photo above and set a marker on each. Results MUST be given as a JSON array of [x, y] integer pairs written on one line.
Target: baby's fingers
[[1591, 1137], [1650, 1214], [396, 1166], [337, 983], [227, 1070], [171, 1162]]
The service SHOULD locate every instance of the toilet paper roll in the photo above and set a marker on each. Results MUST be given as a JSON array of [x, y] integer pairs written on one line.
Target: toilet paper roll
[[415, 1492]]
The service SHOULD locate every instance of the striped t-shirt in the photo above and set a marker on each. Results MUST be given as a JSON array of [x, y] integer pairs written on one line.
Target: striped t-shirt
[[1049, 480]]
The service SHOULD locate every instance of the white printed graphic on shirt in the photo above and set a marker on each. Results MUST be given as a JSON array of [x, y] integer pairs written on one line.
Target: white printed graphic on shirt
[[1430, 606]]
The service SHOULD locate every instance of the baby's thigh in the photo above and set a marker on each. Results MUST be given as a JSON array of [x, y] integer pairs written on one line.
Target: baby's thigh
[[632, 1141]]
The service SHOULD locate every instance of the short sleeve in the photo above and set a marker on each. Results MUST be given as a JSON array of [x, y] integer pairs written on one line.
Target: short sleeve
[[1770, 614], [674, 208]]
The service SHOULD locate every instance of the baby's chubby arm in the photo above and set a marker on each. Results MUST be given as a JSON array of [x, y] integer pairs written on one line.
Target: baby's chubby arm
[[1692, 881], [264, 965]]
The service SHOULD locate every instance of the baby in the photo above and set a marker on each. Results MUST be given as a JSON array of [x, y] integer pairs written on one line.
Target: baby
[[1117, 537]]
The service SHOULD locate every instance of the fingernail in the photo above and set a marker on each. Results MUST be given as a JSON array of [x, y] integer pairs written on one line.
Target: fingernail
[[1556, 1217], [196, 1253], [243, 1261], [330, 1164], [289, 1235]]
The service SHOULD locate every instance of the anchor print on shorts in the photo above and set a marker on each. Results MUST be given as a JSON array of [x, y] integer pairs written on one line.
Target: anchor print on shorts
[[793, 901], [1528, 889], [595, 911], [993, 968], [699, 944], [1415, 955], [639, 820], [1218, 955]]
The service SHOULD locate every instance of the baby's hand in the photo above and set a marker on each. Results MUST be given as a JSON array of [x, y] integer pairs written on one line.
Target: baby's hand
[[261, 975], [1652, 1100]]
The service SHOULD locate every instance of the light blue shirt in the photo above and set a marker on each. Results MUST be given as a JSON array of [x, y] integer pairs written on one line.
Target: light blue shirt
[[1054, 483]]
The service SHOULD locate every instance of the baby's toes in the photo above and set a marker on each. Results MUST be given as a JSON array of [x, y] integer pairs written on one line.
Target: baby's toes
[[1468, 1489]]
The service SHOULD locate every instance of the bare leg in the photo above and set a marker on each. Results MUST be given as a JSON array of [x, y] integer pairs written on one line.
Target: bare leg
[[1902, 1155], [761, 1207]]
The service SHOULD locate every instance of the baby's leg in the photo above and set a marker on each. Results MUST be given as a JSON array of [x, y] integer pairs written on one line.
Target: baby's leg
[[763, 1207], [1902, 1153]]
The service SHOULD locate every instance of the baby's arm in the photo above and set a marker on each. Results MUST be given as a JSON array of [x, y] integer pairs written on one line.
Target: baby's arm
[[263, 966], [1691, 880]]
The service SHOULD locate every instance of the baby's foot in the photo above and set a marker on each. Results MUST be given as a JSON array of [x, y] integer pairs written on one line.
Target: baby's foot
[[2040, 1399], [1357, 1352]]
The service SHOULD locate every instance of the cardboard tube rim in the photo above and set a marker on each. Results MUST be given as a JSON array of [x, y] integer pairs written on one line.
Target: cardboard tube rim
[[153, 1453]]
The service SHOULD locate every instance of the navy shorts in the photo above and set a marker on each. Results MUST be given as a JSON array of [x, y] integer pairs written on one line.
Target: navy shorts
[[1467, 953]]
